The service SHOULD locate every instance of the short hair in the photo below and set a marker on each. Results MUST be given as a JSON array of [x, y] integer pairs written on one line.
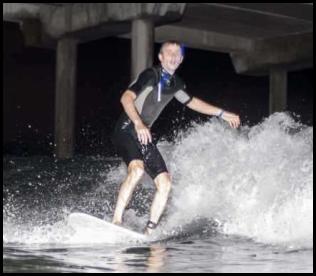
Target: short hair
[[181, 45]]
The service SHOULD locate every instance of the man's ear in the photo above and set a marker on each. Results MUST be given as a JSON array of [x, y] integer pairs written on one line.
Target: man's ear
[[160, 57]]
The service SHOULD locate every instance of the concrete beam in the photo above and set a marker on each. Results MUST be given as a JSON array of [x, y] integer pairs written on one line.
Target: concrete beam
[[65, 98], [15, 12], [89, 21], [301, 11], [292, 52], [142, 45], [278, 90], [74, 18], [247, 23], [201, 39]]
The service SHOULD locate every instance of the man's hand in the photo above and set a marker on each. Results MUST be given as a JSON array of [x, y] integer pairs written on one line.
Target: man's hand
[[231, 118], [143, 133]]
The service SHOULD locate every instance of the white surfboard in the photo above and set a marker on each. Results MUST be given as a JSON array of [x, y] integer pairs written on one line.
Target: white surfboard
[[92, 229]]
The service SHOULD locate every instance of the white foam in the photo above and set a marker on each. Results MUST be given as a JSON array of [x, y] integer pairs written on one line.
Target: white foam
[[257, 181]]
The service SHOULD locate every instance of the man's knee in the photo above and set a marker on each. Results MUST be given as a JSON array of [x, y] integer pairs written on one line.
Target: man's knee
[[163, 182], [136, 169]]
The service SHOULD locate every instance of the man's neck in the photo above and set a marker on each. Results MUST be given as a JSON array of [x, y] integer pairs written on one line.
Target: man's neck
[[170, 72]]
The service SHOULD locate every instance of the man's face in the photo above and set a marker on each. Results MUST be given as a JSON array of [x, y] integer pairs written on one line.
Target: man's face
[[171, 57]]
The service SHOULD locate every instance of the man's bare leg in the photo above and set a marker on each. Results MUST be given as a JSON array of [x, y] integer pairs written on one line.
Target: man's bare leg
[[163, 184], [135, 173]]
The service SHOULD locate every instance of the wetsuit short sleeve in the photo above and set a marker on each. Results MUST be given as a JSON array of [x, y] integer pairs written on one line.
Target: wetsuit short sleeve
[[183, 96], [146, 78]]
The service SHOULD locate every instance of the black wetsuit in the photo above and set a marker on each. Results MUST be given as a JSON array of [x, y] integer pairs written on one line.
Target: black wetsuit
[[154, 89]]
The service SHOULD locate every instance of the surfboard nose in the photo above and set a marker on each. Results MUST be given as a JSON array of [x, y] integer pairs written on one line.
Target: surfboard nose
[[90, 229]]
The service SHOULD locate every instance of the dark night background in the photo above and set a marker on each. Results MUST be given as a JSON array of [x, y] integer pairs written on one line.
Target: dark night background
[[103, 73]]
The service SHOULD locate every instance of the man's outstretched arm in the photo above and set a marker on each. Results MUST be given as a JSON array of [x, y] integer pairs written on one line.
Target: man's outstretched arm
[[208, 109]]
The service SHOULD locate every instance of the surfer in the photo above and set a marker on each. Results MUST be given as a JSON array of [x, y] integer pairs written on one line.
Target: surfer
[[143, 101]]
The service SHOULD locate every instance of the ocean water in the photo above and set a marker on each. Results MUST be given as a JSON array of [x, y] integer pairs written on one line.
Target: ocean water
[[242, 201]]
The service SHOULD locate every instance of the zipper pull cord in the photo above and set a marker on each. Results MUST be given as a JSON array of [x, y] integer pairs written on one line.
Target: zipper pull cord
[[159, 92]]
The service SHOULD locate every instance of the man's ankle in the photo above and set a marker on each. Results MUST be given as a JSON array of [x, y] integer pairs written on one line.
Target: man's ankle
[[150, 227], [148, 231], [117, 222]]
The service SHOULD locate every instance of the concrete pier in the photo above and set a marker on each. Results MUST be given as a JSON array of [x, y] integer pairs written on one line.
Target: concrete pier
[[278, 90], [142, 45], [65, 97]]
